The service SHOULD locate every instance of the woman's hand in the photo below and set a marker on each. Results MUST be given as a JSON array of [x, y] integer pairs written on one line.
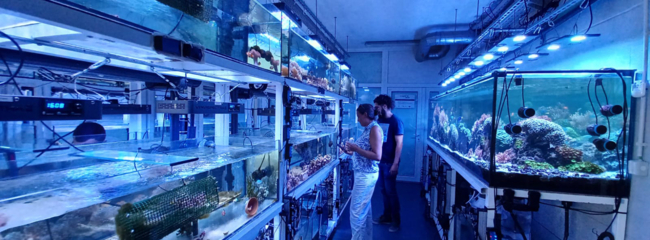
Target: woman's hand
[[351, 147]]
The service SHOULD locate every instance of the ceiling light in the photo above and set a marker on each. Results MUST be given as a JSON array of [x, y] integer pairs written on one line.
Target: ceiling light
[[444, 84], [578, 38], [488, 56], [519, 38], [461, 73], [503, 69], [467, 69], [315, 44], [503, 49], [479, 63], [553, 47], [533, 56], [519, 62]]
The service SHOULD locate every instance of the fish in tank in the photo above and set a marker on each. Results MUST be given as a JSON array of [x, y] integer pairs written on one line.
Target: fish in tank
[[551, 126]]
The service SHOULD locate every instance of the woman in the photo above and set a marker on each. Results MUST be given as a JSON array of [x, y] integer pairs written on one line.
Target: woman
[[366, 153]]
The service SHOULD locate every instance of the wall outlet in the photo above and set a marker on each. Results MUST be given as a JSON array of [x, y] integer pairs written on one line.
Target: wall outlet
[[637, 167]]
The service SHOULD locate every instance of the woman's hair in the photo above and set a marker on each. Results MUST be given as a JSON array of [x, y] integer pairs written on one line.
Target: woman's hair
[[368, 109]]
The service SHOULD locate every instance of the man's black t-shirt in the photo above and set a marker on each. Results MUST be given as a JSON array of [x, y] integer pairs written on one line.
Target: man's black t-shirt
[[392, 127]]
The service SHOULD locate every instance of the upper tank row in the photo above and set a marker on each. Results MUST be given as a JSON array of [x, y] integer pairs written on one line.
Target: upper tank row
[[245, 30]]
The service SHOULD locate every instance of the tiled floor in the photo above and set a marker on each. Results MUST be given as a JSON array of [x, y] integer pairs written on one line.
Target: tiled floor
[[414, 226]]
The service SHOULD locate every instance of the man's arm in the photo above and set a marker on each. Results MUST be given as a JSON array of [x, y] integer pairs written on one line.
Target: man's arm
[[399, 143]]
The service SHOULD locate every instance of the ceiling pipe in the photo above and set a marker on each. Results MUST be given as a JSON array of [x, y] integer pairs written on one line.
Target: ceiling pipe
[[436, 45]]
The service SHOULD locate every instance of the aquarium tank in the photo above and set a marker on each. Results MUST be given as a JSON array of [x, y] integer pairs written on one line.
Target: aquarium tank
[[241, 29], [562, 131], [334, 77], [138, 189], [312, 150], [305, 62], [348, 86]]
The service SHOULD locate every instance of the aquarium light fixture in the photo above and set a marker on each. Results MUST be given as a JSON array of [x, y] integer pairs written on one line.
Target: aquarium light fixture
[[366, 90], [332, 57], [315, 44], [519, 38], [533, 56], [553, 47], [303, 58], [479, 63], [578, 38], [461, 73], [503, 49], [467, 69], [503, 69], [518, 62], [345, 67], [488, 56], [567, 40], [194, 76]]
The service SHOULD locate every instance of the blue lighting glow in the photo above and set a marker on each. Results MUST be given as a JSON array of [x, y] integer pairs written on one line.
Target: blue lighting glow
[[553, 47], [303, 58], [461, 73], [479, 63], [533, 56], [55, 105], [503, 49], [519, 38], [332, 57], [467, 69], [488, 56], [578, 38], [315, 44], [519, 62], [345, 67]]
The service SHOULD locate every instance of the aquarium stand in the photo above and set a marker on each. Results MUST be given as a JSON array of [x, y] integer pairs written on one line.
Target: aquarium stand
[[618, 226], [251, 229], [455, 164]]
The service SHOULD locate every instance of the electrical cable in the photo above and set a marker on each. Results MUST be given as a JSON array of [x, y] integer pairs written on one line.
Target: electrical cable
[[177, 24], [134, 161], [591, 101], [517, 225], [20, 66], [567, 206]]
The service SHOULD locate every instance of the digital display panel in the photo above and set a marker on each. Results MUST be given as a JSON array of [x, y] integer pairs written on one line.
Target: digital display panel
[[55, 105]]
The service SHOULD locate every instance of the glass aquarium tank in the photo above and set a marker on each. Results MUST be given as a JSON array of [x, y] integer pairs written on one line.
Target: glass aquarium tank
[[312, 150], [348, 86], [334, 78], [138, 192], [306, 63], [562, 131], [313, 215], [241, 29]]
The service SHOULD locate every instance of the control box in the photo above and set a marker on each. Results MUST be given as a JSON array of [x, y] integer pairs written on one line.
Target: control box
[[197, 107], [115, 109], [25, 108]]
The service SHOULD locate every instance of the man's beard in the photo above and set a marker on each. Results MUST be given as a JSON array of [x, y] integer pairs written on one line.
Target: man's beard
[[382, 113]]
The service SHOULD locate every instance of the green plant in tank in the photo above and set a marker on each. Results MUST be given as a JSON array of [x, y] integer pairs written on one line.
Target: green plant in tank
[[585, 167], [537, 165]]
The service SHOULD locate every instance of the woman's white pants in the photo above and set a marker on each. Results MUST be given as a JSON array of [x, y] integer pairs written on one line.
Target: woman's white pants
[[360, 206]]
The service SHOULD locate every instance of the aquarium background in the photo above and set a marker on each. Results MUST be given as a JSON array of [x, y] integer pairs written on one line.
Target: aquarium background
[[554, 150]]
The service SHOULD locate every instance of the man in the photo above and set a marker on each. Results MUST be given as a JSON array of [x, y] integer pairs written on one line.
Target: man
[[389, 164]]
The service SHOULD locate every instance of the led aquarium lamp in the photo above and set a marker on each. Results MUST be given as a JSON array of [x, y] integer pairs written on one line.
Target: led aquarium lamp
[[518, 62], [467, 69], [503, 49], [553, 47], [479, 63], [488, 56], [519, 38]]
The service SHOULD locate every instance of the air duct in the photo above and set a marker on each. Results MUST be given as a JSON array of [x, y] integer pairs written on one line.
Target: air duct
[[436, 45]]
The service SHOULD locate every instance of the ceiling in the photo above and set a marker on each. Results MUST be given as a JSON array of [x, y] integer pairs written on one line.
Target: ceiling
[[386, 20]]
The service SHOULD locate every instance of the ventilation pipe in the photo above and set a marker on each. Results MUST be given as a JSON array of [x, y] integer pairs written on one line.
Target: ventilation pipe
[[436, 45]]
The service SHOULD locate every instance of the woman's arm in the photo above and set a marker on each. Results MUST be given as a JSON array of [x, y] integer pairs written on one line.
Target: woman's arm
[[376, 139]]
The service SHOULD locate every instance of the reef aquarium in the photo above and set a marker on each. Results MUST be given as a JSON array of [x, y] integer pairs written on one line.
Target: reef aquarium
[[560, 131], [139, 190], [242, 29]]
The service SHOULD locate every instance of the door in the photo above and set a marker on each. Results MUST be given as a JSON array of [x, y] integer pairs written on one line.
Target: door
[[407, 106]]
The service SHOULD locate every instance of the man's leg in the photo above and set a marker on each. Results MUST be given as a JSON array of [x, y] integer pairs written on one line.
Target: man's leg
[[386, 217], [390, 186]]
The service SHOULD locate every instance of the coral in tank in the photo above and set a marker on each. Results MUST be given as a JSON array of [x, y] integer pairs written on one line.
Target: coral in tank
[[542, 133], [536, 165], [584, 167], [464, 135], [566, 155], [571, 132], [506, 157], [504, 140], [580, 121], [453, 136]]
